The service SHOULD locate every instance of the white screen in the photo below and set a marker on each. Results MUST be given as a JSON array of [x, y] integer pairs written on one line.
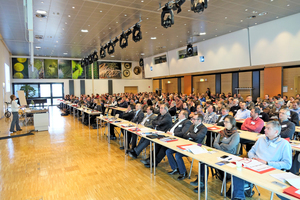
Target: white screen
[[7, 77]]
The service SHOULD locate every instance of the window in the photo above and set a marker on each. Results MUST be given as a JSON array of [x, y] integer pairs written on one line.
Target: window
[[49, 91], [182, 53], [160, 59]]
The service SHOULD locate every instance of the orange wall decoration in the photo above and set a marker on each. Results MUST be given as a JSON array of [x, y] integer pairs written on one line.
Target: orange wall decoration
[[187, 85], [272, 80]]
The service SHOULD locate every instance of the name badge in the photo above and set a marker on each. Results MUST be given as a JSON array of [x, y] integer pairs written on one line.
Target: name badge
[[196, 130], [148, 120], [273, 145], [210, 117], [180, 125], [283, 126], [260, 115], [253, 123]]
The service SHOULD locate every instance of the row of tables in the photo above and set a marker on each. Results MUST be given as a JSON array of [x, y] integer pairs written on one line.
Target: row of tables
[[209, 159]]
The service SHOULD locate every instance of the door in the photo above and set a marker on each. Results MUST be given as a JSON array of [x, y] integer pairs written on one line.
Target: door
[[131, 89]]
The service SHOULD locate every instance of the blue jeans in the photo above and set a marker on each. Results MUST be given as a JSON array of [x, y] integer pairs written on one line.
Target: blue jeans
[[238, 189], [178, 163]]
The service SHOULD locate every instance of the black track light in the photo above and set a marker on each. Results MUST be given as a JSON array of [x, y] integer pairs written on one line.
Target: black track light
[[123, 40], [110, 48], [102, 52], [169, 21], [95, 56], [115, 41], [189, 50], [137, 34]]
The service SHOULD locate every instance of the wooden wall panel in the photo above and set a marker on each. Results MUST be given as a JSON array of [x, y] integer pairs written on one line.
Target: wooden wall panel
[[245, 80], [187, 84], [289, 76], [273, 80], [155, 85], [226, 83], [262, 94], [131, 89], [200, 87], [169, 85], [182, 86]]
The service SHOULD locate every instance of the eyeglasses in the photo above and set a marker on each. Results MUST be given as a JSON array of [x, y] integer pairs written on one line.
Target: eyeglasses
[[226, 122], [194, 119]]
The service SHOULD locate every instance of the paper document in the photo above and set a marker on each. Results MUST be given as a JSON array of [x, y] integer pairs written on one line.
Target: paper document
[[195, 149], [289, 178], [255, 165], [294, 182]]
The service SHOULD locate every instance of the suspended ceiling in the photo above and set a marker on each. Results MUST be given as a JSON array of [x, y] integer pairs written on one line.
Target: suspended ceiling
[[105, 19]]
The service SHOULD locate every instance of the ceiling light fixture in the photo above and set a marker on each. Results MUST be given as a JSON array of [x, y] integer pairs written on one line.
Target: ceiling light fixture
[[84, 30], [137, 34], [102, 52], [110, 47], [202, 33], [198, 5], [262, 13], [95, 56], [168, 13], [153, 38], [41, 12], [123, 40], [38, 47], [189, 50]]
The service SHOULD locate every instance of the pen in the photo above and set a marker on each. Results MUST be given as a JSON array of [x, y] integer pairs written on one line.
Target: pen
[[229, 158]]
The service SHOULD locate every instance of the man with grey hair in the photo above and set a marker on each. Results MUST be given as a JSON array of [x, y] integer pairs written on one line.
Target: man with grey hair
[[287, 127], [270, 150], [235, 106], [275, 110]]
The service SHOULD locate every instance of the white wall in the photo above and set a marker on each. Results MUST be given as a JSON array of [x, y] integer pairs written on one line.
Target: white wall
[[100, 86], [144, 85], [4, 58], [161, 69], [277, 41], [274, 42]]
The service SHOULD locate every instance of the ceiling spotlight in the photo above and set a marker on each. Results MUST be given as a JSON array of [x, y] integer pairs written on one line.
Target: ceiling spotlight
[[189, 50], [82, 62], [110, 48], [123, 40], [128, 32], [137, 34], [177, 5], [102, 52], [198, 5], [95, 56], [167, 11], [115, 41], [90, 57]]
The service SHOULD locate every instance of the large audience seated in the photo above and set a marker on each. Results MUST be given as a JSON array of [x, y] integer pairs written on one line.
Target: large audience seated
[[190, 113]]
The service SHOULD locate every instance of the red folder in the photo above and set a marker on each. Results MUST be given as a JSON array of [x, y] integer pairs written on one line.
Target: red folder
[[292, 191], [182, 147], [213, 128], [262, 172], [134, 129]]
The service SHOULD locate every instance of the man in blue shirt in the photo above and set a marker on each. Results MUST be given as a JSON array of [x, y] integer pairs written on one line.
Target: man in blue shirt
[[271, 150], [296, 108], [242, 113]]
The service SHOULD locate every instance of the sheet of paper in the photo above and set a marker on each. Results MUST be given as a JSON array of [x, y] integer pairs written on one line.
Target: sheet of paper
[[195, 149], [283, 176], [294, 182]]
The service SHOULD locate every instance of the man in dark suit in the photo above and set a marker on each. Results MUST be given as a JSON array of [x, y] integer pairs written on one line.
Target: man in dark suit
[[235, 107], [128, 115], [123, 104], [196, 133], [287, 127], [138, 118], [178, 129], [221, 118], [147, 122], [173, 108], [163, 122]]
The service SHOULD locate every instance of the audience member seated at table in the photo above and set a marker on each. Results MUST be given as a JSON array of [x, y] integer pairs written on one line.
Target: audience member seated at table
[[265, 104], [249, 102], [137, 119], [195, 132], [296, 107], [143, 143], [219, 107], [191, 106], [163, 122], [122, 104], [228, 139], [173, 109], [235, 107], [275, 110], [97, 107], [127, 115], [258, 102], [242, 113], [199, 110], [252, 124], [210, 117], [221, 118], [287, 127], [264, 114], [185, 107], [271, 150], [240, 98], [179, 128], [179, 103]]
